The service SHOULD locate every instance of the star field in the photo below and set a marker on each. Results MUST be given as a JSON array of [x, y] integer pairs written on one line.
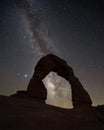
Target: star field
[[73, 30]]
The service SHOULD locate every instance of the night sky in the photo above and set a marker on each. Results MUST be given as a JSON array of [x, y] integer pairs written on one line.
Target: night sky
[[71, 29]]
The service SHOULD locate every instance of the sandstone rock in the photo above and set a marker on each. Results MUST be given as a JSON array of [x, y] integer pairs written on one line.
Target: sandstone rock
[[24, 111], [30, 114], [49, 63], [36, 89]]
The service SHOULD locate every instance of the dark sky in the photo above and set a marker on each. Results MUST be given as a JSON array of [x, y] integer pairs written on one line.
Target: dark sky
[[71, 29]]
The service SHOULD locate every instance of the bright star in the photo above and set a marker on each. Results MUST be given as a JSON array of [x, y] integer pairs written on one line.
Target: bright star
[[25, 75]]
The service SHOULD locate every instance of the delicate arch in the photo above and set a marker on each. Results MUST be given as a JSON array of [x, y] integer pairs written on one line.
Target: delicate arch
[[49, 63]]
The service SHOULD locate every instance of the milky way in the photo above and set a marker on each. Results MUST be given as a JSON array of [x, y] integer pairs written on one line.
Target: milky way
[[41, 45]]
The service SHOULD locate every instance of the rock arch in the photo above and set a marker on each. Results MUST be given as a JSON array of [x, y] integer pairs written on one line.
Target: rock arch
[[49, 63]]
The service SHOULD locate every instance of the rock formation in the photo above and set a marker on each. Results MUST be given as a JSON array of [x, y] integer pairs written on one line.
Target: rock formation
[[26, 110], [49, 63]]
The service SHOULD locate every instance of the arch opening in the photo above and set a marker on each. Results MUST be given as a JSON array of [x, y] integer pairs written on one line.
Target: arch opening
[[58, 91]]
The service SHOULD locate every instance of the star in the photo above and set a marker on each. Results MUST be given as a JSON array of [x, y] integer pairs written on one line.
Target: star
[[25, 75], [18, 74], [24, 37]]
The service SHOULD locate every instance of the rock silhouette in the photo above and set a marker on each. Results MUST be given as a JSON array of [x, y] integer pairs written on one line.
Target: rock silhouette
[[26, 110], [49, 63]]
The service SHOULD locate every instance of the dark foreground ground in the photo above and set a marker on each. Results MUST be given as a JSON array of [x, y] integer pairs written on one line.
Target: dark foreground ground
[[18, 113]]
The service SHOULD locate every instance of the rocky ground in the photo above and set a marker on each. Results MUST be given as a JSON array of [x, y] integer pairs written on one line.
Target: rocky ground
[[23, 113]]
